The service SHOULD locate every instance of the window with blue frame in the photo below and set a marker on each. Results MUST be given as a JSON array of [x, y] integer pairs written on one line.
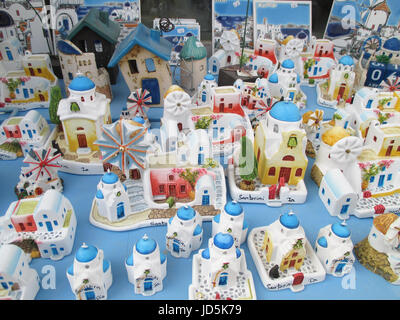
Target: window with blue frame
[[329, 201], [389, 177], [323, 191], [372, 179], [150, 66]]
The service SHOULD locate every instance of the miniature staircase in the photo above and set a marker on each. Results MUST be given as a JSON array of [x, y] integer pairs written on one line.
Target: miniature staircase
[[220, 192], [136, 196]]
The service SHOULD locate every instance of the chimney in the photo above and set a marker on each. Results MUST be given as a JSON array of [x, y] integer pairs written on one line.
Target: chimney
[[155, 35]]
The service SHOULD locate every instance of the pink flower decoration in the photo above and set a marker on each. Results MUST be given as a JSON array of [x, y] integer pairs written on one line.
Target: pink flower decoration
[[363, 166]]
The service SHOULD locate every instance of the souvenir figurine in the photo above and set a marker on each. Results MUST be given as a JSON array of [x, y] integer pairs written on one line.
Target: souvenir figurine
[[334, 249], [90, 275], [44, 226], [204, 90], [146, 267], [283, 256], [379, 252], [220, 272], [18, 280], [184, 233]]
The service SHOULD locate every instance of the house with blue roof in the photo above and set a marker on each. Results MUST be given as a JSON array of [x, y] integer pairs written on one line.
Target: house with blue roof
[[184, 232], [90, 275], [143, 58], [146, 267]]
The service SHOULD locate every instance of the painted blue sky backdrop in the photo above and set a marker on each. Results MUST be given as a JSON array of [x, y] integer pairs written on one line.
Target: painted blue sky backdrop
[[226, 8], [394, 6], [283, 13]]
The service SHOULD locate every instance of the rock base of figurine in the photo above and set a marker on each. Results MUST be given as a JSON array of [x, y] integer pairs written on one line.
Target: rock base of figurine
[[310, 272], [375, 261]]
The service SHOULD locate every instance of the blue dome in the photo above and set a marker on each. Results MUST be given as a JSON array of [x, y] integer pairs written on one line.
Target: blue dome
[[346, 61], [71, 270], [86, 253], [209, 77], [146, 245], [322, 242], [186, 213], [81, 83], [206, 253], [340, 230], [285, 111], [99, 194], [139, 120], [233, 208], [223, 240], [129, 260], [217, 218], [273, 78], [110, 178], [392, 44], [288, 64], [289, 221]]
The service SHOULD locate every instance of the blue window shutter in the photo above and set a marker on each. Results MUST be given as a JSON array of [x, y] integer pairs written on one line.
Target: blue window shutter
[[150, 65]]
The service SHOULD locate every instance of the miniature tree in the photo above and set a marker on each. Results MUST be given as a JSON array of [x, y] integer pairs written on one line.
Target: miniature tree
[[203, 123], [247, 163], [55, 97]]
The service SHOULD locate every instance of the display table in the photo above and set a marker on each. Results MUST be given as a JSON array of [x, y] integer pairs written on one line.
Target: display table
[[117, 246]]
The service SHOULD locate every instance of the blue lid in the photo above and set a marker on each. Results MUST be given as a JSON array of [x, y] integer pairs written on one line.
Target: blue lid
[[233, 208], [223, 240], [340, 230], [198, 230], [129, 260], [81, 83], [322, 242], [285, 111], [346, 61], [86, 253], [206, 253], [146, 245], [99, 194], [392, 44], [186, 213], [109, 178], [288, 64], [209, 76], [289, 221], [273, 78], [139, 120]]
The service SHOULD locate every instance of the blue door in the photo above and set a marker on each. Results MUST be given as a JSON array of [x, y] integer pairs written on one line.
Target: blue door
[[340, 267], [200, 158], [148, 284], [345, 208], [214, 68], [26, 93], [153, 87], [206, 200], [215, 133], [175, 246], [54, 251], [381, 180], [315, 71], [204, 97], [66, 24], [291, 96], [89, 294], [49, 226], [346, 124], [120, 210], [369, 104], [223, 279], [9, 55], [30, 133]]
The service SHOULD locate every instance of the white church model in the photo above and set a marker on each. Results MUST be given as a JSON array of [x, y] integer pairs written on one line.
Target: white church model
[[184, 233], [146, 267], [220, 272], [231, 220], [90, 275]]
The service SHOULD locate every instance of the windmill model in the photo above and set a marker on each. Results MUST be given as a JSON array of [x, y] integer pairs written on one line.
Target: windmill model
[[123, 144], [41, 174], [137, 103]]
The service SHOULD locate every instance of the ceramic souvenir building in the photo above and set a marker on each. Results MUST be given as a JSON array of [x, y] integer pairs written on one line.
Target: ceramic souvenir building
[[143, 58], [90, 274], [83, 114], [334, 249], [45, 226], [230, 42], [17, 280], [204, 90], [231, 220], [285, 83], [379, 252], [339, 88], [282, 255], [73, 61], [184, 232], [226, 99], [28, 131], [98, 34], [193, 67], [146, 267], [221, 270], [41, 174]]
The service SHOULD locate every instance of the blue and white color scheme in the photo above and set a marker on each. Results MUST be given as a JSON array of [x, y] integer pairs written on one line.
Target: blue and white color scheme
[[90, 275], [146, 267], [334, 249], [184, 233], [231, 220]]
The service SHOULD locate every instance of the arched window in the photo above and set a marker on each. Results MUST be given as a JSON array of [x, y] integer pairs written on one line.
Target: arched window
[[82, 99], [288, 158], [299, 172], [271, 171]]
